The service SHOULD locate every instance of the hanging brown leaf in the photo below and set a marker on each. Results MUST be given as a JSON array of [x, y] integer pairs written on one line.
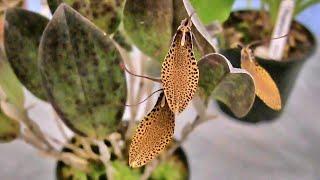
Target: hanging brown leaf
[[153, 134], [265, 87], [180, 73]]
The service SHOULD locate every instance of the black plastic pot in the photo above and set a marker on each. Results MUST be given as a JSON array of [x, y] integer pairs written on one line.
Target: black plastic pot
[[284, 74]]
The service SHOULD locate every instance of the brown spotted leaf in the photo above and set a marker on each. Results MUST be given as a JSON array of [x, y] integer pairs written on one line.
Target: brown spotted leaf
[[232, 86], [265, 87], [103, 13], [153, 134], [81, 73], [23, 32], [180, 73]]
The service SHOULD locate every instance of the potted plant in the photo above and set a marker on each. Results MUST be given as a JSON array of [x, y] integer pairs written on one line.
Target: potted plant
[[77, 60], [246, 26]]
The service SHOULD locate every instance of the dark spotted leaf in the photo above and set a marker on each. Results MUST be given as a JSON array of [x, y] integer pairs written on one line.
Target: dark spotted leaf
[[9, 129], [106, 14], [23, 32], [232, 86], [148, 24], [81, 72]]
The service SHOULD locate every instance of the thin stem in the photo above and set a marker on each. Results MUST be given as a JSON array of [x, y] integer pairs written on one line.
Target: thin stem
[[145, 98], [60, 125], [141, 76], [114, 139]]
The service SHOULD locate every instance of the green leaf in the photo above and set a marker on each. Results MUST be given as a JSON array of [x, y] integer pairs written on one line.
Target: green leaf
[[200, 34], [9, 84], [232, 86], [212, 10], [148, 24], [106, 14], [9, 129], [81, 72], [22, 38]]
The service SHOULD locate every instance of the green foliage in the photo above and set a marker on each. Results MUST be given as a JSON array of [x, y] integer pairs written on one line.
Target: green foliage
[[9, 83], [9, 129], [232, 86], [172, 169], [80, 69], [148, 24], [22, 38], [212, 10], [151, 25], [106, 14], [124, 172]]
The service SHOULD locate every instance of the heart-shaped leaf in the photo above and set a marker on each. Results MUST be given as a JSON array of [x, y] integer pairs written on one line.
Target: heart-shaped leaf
[[81, 72], [232, 86], [10, 87], [9, 129], [212, 10], [148, 24], [23, 32], [103, 13]]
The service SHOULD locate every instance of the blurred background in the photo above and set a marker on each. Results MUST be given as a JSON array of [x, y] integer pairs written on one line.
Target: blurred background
[[287, 148]]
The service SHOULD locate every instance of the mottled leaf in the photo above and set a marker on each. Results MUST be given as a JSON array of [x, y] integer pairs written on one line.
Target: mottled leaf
[[153, 134], [148, 24], [9, 129], [81, 72], [106, 14], [212, 10], [232, 86], [10, 87], [23, 32], [180, 73]]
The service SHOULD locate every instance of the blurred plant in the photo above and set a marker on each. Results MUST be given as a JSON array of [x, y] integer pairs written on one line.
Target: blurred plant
[[273, 7], [73, 62]]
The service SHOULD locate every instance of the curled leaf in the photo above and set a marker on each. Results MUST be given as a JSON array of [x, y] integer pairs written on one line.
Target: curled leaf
[[265, 87], [232, 86], [80, 69], [153, 134], [23, 32]]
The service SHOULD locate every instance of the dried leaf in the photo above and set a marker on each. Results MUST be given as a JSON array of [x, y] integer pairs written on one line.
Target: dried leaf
[[152, 135], [180, 73], [265, 87]]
